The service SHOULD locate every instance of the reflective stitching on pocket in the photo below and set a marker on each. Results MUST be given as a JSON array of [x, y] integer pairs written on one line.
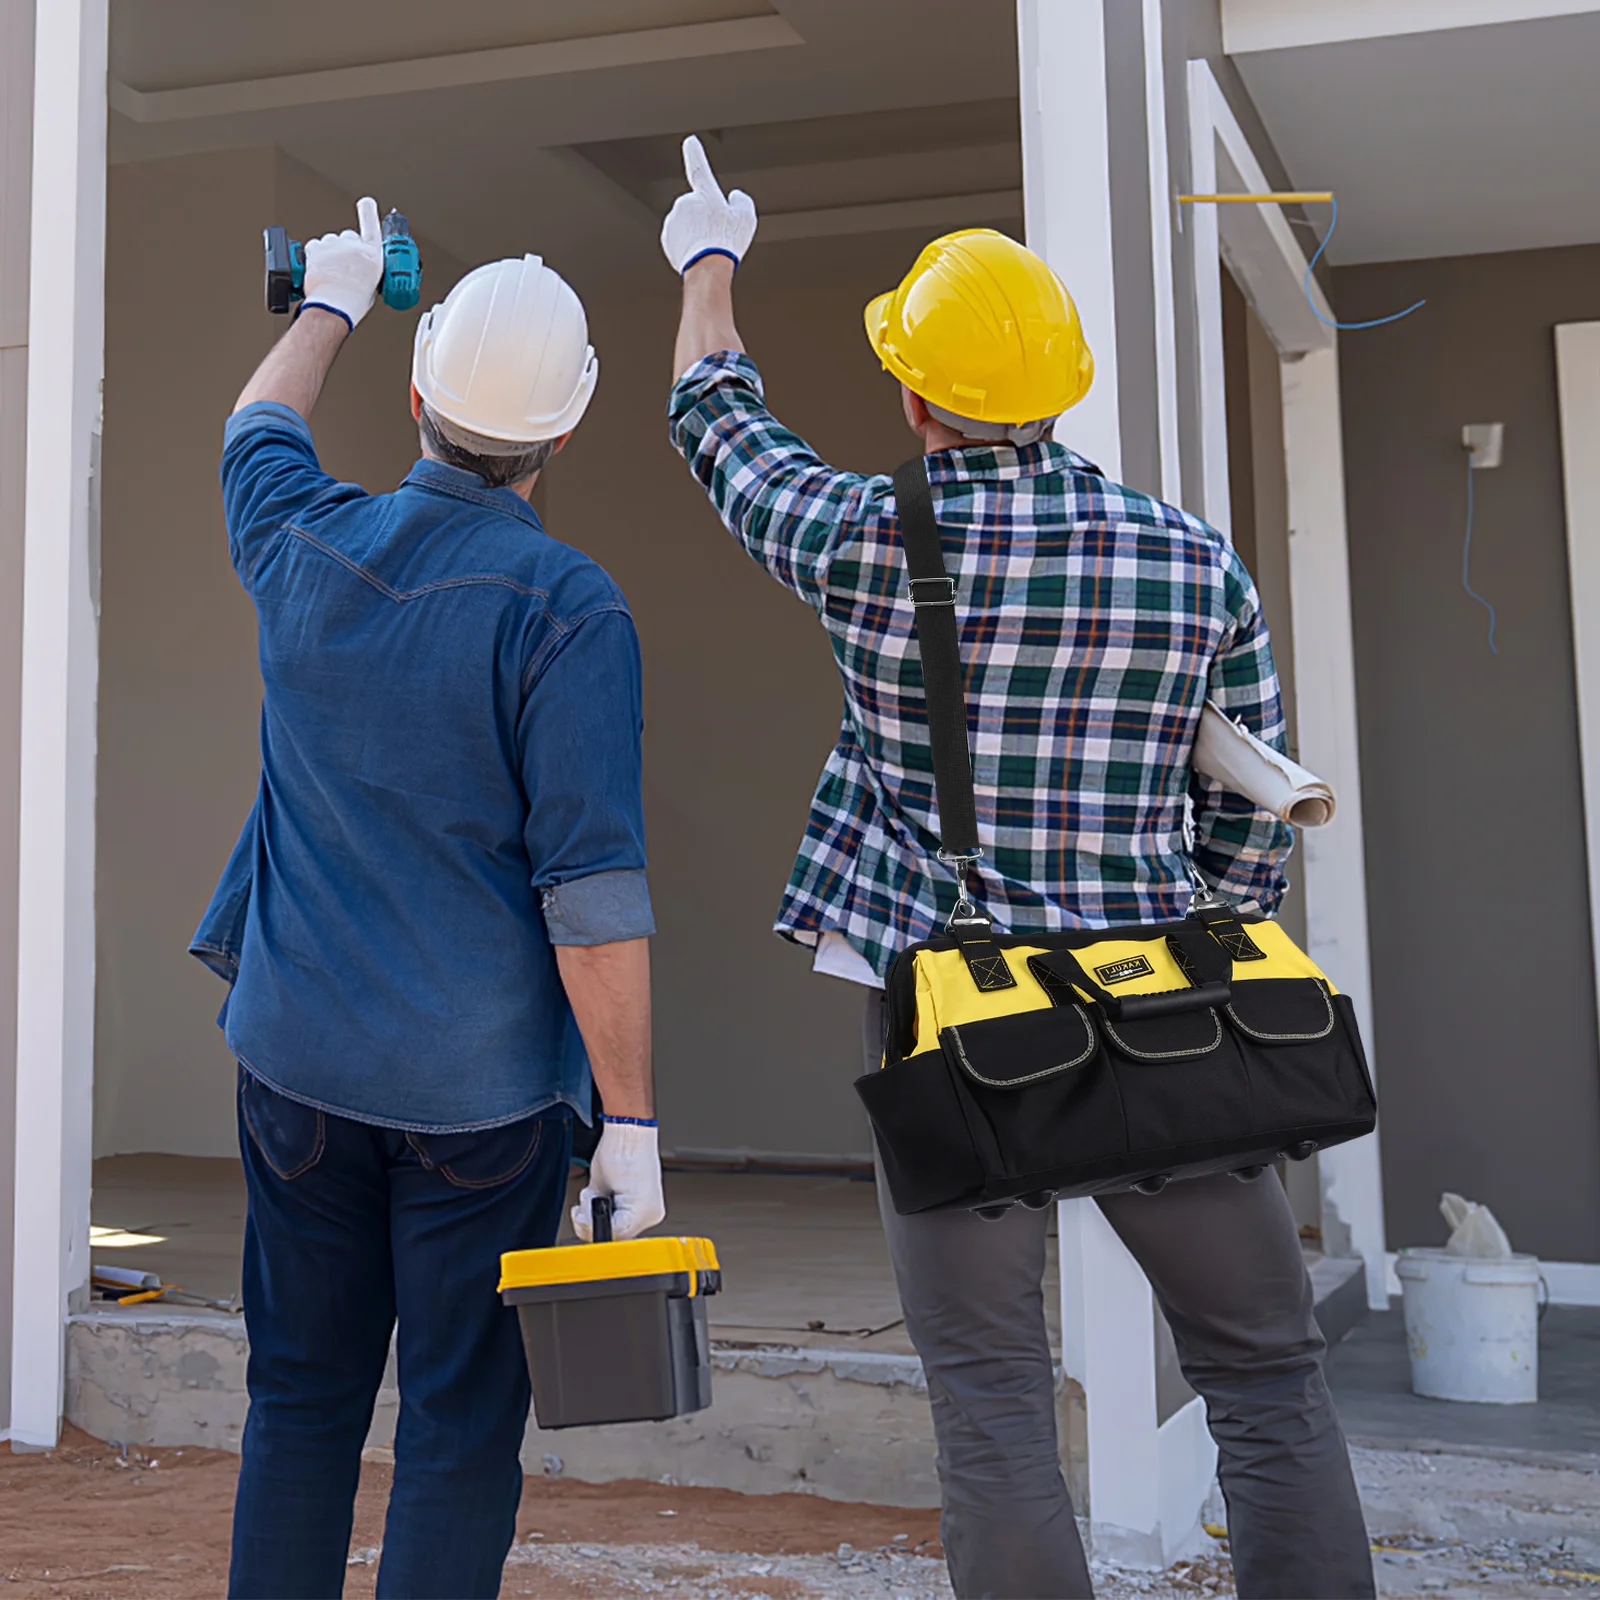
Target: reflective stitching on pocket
[[318, 1144], [1032, 1077], [1166, 1055], [1286, 1038], [450, 1176]]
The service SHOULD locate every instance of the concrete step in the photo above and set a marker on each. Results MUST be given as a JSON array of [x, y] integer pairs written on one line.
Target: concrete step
[[1340, 1287], [846, 1424]]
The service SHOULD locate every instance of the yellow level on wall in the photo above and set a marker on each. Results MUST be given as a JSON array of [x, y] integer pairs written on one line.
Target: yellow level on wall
[[1286, 197]]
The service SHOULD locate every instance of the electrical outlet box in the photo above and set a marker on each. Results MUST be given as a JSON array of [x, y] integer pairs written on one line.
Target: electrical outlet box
[[1485, 440]]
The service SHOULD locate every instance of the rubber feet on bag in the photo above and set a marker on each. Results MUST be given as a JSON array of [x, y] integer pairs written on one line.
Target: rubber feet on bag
[[1038, 1200], [1302, 1151], [991, 1213], [1153, 1185], [1247, 1174]]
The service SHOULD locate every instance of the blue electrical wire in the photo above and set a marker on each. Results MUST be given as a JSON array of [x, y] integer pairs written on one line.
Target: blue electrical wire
[[1311, 266], [1466, 559]]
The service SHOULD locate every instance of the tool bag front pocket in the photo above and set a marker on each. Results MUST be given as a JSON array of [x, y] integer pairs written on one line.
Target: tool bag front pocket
[[1183, 1080], [1303, 1050], [1036, 1085]]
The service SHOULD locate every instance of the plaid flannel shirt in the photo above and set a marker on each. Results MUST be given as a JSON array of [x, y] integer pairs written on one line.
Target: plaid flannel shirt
[[1094, 622]]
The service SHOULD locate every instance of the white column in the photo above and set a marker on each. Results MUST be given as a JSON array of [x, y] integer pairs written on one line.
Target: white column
[[1162, 204], [55, 969], [1066, 191], [1146, 1482], [1108, 1346], [16, 122]]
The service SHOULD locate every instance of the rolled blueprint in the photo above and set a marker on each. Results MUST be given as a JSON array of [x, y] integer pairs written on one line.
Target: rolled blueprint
[[1227, 752]]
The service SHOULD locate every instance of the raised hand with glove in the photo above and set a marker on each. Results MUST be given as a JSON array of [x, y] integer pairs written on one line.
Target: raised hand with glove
[[705, 221], [343, 270], [627, 1167], [705, 237]]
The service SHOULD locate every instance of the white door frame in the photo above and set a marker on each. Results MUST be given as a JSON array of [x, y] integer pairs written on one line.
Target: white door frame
[[1259, 247], [60, 666], [1578, 395]]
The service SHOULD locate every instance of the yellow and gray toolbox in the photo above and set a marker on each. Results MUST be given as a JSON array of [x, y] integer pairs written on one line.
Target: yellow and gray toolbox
[[615, 1331]]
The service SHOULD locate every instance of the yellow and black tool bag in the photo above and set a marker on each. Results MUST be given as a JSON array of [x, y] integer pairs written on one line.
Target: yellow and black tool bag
[[1026, 1067]]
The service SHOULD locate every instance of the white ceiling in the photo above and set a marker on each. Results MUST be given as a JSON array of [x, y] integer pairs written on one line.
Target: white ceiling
[[473, 119], [1449, 142]]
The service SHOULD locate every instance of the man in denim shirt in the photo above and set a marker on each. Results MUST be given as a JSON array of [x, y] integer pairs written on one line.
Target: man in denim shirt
[[434, 925]]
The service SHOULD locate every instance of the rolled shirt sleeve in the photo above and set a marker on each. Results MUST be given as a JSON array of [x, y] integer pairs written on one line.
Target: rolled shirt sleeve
[[580, 747], [600, 909]]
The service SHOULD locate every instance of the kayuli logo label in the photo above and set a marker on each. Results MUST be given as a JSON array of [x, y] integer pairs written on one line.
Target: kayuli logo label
[[1121, 971]]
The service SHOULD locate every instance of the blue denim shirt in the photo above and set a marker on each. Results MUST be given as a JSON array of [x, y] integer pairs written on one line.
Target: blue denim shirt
[[450, 786]]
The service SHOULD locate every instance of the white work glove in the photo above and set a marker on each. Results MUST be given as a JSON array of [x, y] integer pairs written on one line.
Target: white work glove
[[343, 270], [705, 220], [627, 1166]]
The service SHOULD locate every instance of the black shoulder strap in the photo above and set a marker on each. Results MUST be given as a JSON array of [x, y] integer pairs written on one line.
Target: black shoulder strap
[[933, 594]]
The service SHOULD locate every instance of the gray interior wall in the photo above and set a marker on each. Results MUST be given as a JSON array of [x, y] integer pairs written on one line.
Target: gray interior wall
[[1482, 970], [16, 106], [179, 689], [742, 702]]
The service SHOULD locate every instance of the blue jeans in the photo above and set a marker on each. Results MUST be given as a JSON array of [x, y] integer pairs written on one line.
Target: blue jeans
[[350, 1228]]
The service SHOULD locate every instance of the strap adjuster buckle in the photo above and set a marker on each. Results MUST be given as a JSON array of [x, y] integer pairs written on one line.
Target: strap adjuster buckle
[[947, 599]]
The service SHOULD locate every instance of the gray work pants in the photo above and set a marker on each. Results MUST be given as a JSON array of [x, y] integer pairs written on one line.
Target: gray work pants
[[1224, 1260]]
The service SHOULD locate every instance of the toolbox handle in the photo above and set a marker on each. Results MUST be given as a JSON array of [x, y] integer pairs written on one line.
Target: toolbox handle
[[600, 1208]]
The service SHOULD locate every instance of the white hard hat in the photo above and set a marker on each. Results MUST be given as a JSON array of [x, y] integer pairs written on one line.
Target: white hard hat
[[506, 355]]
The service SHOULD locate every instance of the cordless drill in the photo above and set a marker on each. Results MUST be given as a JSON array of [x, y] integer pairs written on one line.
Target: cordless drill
[[402, 267]]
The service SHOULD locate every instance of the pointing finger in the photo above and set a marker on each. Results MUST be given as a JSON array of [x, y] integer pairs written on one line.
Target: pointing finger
[[367, 217], [698, 170]]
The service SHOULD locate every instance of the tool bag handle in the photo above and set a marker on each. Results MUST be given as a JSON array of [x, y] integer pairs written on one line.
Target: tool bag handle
[[1199, 956]]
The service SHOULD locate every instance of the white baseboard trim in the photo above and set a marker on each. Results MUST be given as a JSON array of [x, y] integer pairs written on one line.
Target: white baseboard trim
[[1571, 1283]]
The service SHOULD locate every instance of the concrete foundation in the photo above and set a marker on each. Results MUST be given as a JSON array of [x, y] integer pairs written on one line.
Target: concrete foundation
[[817, 1386], [845, 1424]]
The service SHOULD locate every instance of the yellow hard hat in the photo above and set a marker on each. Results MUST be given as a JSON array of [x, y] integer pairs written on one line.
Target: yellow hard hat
[[982, 327]]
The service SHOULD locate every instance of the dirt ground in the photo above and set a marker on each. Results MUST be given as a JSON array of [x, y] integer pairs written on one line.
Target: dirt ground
[[88, 1522]]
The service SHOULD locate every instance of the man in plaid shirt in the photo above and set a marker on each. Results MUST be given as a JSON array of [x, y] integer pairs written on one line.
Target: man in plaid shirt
[[1094, 623]]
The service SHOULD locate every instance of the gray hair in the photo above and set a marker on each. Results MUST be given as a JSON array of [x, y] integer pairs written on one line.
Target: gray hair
[[499, 462], [1018, 433]]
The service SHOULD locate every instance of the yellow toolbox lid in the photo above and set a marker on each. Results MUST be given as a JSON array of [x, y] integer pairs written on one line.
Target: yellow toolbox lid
[[594, 1263]]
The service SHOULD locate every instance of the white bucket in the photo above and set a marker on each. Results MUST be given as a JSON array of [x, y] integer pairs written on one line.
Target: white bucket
[[1472, 1326]]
